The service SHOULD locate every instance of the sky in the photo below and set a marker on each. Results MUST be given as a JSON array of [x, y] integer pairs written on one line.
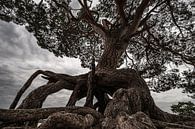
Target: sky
[[20, 56]]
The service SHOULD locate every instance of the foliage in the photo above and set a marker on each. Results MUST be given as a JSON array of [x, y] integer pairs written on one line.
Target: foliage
[[188, 85], [184, 108]]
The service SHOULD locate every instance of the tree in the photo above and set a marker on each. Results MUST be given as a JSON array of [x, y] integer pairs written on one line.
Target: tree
[[150, 33], [184, 108]]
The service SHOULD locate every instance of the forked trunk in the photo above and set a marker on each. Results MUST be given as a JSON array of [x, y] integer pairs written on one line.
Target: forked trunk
[[113, 50]]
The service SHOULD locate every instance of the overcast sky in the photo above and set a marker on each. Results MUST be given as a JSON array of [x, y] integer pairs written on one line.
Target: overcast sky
[[20, 56]]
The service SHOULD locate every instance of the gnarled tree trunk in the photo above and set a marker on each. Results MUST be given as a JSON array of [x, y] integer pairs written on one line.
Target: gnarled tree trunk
[[113, 50]]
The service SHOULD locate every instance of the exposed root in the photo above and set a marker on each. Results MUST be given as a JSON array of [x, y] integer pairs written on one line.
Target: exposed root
[[76, 94], [36, 98], [65, 120], [24, 88], [19, 115], [161, 124], [50, 76]]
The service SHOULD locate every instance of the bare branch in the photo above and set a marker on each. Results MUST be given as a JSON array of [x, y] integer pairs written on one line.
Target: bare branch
[[173, 17], [40, 3]]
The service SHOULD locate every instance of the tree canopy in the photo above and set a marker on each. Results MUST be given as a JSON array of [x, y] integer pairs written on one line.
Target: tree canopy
[[184, 108], [164, 31]]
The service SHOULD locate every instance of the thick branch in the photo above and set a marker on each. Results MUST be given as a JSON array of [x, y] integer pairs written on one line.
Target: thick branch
[[120, 4], [129, 30], [145, 28], [133, 98], [98, 28]]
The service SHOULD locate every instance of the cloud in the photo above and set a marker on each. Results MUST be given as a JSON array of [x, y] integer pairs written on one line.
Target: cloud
[[20, 56], [8, 86], [165, 99]]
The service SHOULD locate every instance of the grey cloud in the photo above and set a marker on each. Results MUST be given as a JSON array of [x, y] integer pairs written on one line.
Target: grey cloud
[[9, 30], [165, 99], [20, 56], [15, 42], [8, 87]]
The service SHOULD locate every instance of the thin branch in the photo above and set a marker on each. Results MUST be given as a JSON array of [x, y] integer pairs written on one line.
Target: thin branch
[[129, 58], [173, 17], [145, 28], [143, 21], [40, 3], [66, 8], [185, 58]]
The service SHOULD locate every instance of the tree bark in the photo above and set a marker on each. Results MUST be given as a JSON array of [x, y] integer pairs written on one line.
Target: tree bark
[[113, 50], [19, 115], [64, 120]]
